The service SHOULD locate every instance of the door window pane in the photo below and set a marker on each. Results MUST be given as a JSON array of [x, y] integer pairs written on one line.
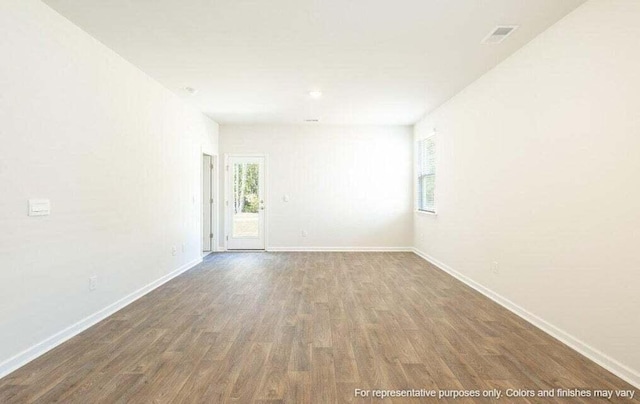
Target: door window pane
[[246, 200]]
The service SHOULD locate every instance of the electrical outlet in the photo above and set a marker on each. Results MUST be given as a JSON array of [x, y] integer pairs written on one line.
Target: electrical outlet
[[495, 268], [174, 250], [93, 283], [304, 233]]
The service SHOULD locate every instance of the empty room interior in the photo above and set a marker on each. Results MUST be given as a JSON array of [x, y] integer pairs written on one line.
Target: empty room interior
[[216, 201]]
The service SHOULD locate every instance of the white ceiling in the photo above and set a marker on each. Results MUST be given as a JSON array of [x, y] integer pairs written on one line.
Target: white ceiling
[[375, 61]]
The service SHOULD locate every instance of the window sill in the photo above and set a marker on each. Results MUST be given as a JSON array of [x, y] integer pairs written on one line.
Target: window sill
[[425, 213]]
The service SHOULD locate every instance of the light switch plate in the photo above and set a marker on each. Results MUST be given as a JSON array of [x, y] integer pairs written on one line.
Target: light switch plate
[[39, 207]]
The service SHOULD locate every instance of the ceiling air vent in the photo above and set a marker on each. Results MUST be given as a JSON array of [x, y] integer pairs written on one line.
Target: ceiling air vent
[[499, 34]]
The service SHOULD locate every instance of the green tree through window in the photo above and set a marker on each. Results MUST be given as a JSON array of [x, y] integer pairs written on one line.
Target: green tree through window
[[245, 188]]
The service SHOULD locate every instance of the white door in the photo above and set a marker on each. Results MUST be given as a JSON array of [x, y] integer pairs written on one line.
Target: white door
[[245, 203], [207, 203]]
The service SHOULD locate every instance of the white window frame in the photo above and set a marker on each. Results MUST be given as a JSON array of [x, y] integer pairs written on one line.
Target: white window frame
[[418, 175]]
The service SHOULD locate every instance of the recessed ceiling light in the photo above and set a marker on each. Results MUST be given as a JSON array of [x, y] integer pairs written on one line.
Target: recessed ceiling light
[[190, 90], [315, 94]]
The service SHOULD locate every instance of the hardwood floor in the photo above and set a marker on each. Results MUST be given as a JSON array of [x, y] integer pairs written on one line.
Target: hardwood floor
[[304, 327]]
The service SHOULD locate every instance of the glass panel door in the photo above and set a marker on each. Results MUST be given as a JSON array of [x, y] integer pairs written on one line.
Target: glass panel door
[[246, 205]]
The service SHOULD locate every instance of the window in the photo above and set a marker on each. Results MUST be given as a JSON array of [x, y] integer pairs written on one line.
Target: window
[[427, 174]]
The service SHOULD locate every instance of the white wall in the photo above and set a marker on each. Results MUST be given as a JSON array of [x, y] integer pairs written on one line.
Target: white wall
[[538, 170], [349, 187], [118, 156]]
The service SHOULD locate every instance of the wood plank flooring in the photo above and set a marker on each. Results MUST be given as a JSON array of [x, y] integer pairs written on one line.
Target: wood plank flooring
[[304, 328]]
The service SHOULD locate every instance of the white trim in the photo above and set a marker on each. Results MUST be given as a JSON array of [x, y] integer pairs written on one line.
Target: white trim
[[225, 202], [53, 341], [215, 190], [215, 229], [341, 249], [622, 371]]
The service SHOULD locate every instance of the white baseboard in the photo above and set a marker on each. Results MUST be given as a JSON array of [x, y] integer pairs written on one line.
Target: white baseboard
[[341, 249], [53, 341], [622, 371]]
